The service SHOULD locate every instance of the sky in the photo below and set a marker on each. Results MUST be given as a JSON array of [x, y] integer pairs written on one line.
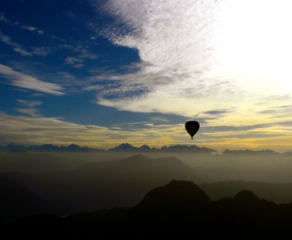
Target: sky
[[103, 72]]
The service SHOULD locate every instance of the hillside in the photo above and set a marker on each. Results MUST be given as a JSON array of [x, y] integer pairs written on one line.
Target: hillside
[[180, 209], [106, 184], [276, 192]]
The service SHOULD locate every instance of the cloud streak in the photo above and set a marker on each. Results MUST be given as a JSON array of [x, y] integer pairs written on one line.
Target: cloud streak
[[16, 47], [18, 24], [29, 107], [25, 81], [31, 128], [38, 129], [30, 104], [39, 51]]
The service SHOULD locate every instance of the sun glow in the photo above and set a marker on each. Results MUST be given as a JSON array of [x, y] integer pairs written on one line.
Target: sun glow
[[253, 44]]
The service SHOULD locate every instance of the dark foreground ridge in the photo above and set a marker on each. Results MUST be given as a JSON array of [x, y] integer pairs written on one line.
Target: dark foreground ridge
[[180, 209]]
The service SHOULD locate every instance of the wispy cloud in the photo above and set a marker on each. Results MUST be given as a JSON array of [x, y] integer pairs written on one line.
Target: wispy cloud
[[159, 119], [31, 128], [29, 111], [40, 51], [29, 103], [217, 112], [29, 107], [82, 56], [30, 28], [18, 24], [37, 129], [116, 90], [26, 81], [16, 47], [3, 18], [196, 55], [177, 58]]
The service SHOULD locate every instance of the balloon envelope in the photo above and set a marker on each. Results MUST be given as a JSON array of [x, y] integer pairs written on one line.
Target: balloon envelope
[[192, 127]]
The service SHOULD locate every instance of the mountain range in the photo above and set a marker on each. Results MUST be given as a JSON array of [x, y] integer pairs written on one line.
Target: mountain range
[[103, 184], [126, 147], [178, 209], [111, 183]]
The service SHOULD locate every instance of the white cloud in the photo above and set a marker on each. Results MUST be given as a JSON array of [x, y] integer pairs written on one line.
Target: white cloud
[[30, 28], [177, 56], [23, 80], [203, 55]]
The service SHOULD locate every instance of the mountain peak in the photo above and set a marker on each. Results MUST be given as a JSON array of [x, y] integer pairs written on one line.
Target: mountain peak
[[245, 197], [175, 196], [73, 145], [124, 147], [187, 148], [126, 144], [145, 147]]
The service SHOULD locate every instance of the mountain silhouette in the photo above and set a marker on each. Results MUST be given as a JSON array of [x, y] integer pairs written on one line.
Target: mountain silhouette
[[245, 197], [180, 209], [122, 182], [276, 192], [145, 148], [163, 206], [124, 147], [107, 184], [186, 149], [171, 196]]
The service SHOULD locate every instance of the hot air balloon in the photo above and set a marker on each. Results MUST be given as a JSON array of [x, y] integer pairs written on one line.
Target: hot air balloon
[[192, 127]]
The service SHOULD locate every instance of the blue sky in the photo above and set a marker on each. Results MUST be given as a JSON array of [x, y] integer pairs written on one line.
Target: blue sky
[[104, 72], [54, 42]]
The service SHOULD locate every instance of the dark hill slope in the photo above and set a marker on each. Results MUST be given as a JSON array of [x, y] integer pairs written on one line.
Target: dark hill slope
[[276, 192], [106, 184], [181, 209], [17, 201]]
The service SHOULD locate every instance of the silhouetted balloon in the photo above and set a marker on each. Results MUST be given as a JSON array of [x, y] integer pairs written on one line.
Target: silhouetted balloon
[[192, 127]]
